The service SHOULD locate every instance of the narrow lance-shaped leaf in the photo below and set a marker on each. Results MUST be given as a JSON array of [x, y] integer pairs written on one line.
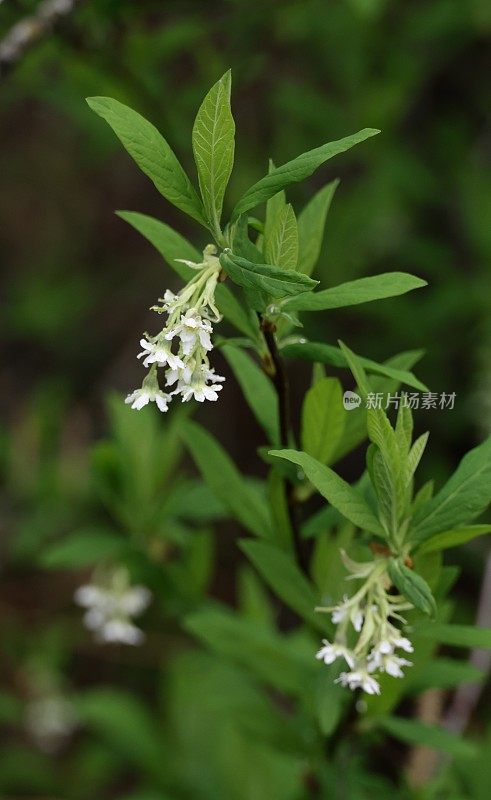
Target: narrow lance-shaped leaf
[[323, 419], [296, 170], [464, 496], [455, 635], [311, 224], [274, 206], [257, 388], [280, 571], [412, 586], [225, 480], [418, 733], [272, 280], [336, 490], [213, 148], [353, 293], [453, 538], [151, 152], [282, 241], [172, 247], [328, 354]]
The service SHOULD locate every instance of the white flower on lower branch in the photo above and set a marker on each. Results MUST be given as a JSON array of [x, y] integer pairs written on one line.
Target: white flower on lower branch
[[111, 605], [366, 636]]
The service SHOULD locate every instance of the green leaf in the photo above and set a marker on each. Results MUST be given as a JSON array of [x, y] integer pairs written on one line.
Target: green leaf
[[152, 154], [273, 280], [443, 673], [125, 723], [418, 733], [353, 293], [455, 635], [454, 537], [412, 586], [328, 354], [356, 367], [82, 548], [330, 699], [172, 246], [260, 650], [169, 243], [464, 496], [213, 148], [337, 491], [296, 170], [274, 206], [257, 389], [225, 480], [281, 573], [323, 419], [311, 224], [281, 243]]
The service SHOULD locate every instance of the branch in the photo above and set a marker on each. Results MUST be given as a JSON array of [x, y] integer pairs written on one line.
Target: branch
[[280, 379], [30, 30]]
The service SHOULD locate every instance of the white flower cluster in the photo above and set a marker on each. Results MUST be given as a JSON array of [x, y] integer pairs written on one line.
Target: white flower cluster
[[111, 603], [50, 720], [183, 344], [368, 618]]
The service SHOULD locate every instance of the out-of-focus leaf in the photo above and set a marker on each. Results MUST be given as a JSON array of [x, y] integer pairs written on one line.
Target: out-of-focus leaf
[[83, 548], [456, 635], [414, 732]]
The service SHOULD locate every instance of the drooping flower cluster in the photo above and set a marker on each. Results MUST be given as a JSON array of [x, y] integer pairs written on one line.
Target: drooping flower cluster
[[366, 636], [111, 604], [182, 346]]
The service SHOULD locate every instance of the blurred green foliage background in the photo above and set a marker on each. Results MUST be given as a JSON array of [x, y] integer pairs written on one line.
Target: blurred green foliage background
[[76, 280]]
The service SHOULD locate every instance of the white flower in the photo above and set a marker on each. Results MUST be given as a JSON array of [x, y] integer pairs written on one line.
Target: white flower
[[357, 618], [330, 652], [111, 607], [341, 611], [359, 679], [50, 720], [391, 664], [149, 392], [403, 643], [135, 600], [191, 329], [196, 385], [159, 352], [122, 631]]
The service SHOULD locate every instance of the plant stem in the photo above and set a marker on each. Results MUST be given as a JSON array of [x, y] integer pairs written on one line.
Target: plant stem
[[280, 379]]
